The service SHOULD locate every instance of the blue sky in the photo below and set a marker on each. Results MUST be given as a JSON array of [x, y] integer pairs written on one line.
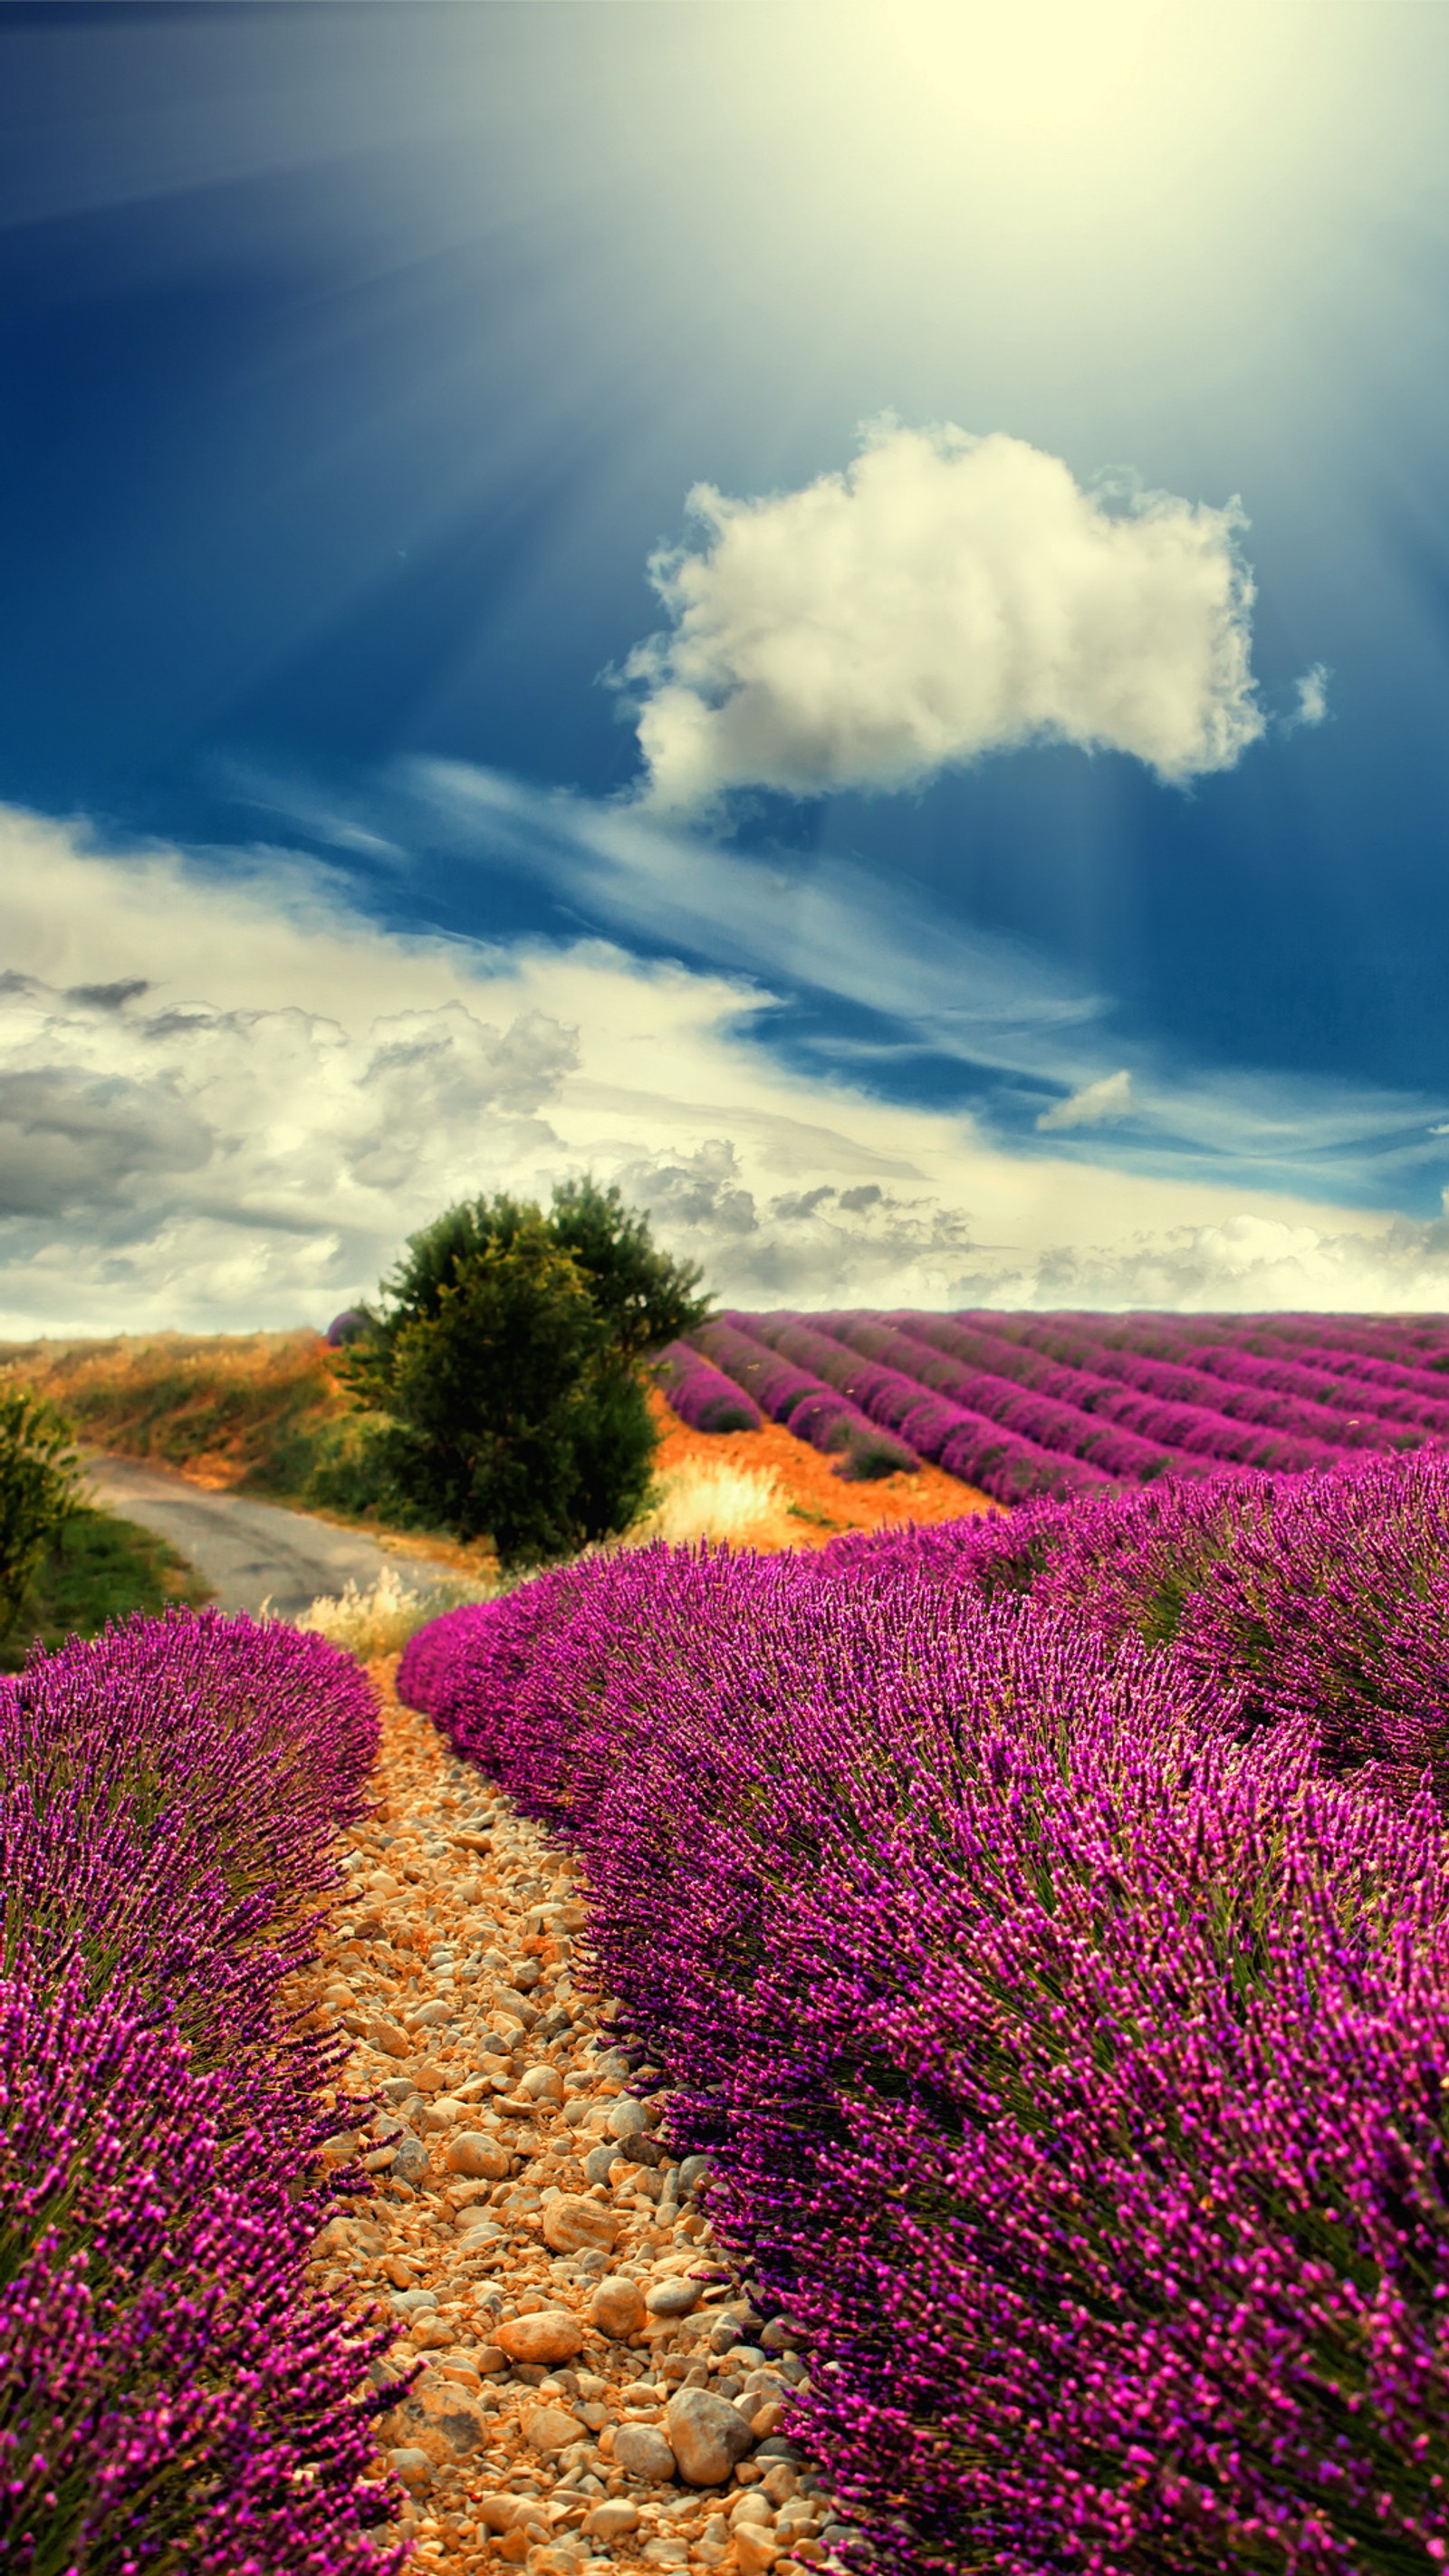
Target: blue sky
[[836, 613]]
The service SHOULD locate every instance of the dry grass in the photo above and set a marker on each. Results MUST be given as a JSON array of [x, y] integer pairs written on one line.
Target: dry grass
[[379, 1619], [716, 1498], [227, 1409], [816, 1502]]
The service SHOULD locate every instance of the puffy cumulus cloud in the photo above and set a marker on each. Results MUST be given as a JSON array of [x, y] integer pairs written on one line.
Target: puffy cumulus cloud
[[1092, 1105], [197, 1155], [828, 1243], [944, 597], [72, 1138], [863, 1243], [820, 1244], [1247, 1263]]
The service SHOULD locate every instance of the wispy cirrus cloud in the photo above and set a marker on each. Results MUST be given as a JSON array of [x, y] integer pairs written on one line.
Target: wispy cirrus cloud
[[838, 928], [936, 987], [226, 1100], [1093, 1105]]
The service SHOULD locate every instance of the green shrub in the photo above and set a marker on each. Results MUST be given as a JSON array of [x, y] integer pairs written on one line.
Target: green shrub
[[38, 1492], [614, 1440], [339, 1466], [95, 1568]]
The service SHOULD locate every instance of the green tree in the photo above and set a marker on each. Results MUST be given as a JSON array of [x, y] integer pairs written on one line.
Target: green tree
[[645, 1297], [38, 1492], [506, 1354]]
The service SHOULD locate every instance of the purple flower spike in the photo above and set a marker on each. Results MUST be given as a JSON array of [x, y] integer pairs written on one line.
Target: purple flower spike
[[1041, 1923], [173, 2395]]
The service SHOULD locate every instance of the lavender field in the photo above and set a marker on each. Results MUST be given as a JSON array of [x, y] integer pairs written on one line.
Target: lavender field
[[1028, 1405], [1039, 1921], [173, 2395], [1043, 1923]]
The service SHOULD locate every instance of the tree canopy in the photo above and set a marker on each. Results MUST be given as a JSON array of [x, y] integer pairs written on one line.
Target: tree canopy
[[506, 1352]]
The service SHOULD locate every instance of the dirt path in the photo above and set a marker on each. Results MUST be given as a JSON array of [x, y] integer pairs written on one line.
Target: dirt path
[[248, 1551], [596, 2388]]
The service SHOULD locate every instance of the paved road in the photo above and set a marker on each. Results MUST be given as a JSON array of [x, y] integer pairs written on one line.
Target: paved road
[[250, 1552]]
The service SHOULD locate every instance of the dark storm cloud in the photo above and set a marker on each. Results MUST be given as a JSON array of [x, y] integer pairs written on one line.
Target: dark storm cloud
[[70, 1140]]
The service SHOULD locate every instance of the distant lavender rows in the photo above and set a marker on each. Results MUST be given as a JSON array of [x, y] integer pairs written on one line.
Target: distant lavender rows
[[1031, 1405], [172, 2395], [1044, 1921]]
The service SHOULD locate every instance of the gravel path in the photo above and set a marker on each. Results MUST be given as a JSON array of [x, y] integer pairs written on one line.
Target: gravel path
[[596, 2387], [247, 1551]]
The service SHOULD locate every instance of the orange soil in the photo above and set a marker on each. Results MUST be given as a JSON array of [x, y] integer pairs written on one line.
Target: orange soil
[[810, 1483]]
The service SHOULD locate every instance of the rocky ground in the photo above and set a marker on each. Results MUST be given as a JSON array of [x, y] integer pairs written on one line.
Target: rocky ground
[[596, 2387]]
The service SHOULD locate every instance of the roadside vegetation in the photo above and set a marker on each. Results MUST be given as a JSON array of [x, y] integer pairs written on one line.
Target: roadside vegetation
[[38, 1493], [65, 1568], [264, 1411], [97, 1568]]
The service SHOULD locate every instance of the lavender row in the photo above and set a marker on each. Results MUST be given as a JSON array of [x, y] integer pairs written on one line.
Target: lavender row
[[1415, 1341], [1028, 1405], [1066, 2012], [1402, 1395], [701, 1394], [1168, 1357], [1004, 1461], [1316, 1428], [805, 1404], [171, 2392], [1130, 1436], [1363, 1386], [1419, 1343], [893, 1389]]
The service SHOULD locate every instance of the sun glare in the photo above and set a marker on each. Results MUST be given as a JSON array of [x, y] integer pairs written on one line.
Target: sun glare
[[1120, 102], [1039, 75]]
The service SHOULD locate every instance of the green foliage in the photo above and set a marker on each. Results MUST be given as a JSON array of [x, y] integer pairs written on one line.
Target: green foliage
[[645, 1298], [38, 1480], [506, 1356], [614, 1440], [255, 1406], [337, 1466], [97, 1568]]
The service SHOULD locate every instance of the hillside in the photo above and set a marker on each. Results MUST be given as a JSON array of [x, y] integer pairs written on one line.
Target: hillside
[[226, 1409]]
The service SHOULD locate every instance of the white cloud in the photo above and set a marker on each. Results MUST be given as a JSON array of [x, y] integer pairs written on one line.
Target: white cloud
[[944, 597], [932, 982], [1251, 1262], [224, 1103], [1312, 707], [839, 927], [1092, 1105]]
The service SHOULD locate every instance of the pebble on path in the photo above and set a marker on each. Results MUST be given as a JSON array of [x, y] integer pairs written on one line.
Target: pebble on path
[[558, 2318]]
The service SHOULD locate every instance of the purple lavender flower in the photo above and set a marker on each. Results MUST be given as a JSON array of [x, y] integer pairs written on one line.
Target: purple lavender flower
[[803, 1402], [172, 2395], [1042, 1922], [701, 1394]]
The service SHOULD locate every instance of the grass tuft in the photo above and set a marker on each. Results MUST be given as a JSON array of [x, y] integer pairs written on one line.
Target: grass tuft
[[378, 1618], [715, 1499]]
